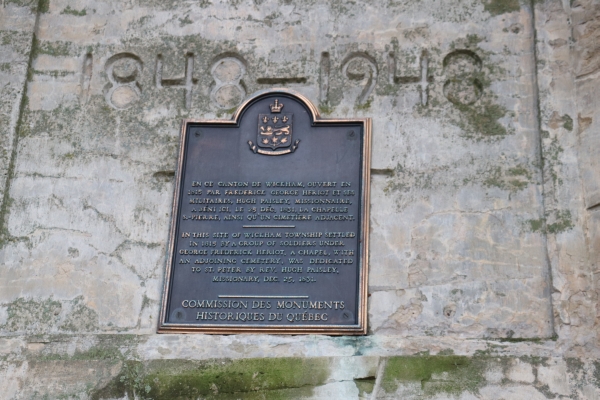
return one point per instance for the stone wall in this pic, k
(485, 193)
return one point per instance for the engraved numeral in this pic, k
(123, 71)
(324, 77)
(423, 80)
(229, 89)
(187, 82)
(462, 71)
(354, 68)
(462, 67)
(86, 77)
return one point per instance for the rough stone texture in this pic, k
(16, 36)
(105, 367)
(452, 252)
(485, 217)
(564, 47)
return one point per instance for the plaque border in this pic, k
(224, 329)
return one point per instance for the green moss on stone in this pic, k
(574, 365)
(535, 225)
(552, 152)
(519, 340)
(185, 21)
(42, 315)
(534, 360)
(597, 372)
(495, 178)
(518, 185)
(365, 106)
(555, 222)
(482, 119)
(106, 348)
(81, 318)
(567, 122)
(54, 73)
(99, 353)
(56, 49)
(223, 379)
(562, 222)
(228, 112)
(31, 315)
(239, 376)
(436, 374)
(6, 37)
(519, 170)
(513, 179)
(325, 108)
(497, 7)
(44, 6)
(72, 11)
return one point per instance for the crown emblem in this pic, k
(275, 108)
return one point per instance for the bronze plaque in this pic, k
(269, 228)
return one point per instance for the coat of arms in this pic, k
(274, 132)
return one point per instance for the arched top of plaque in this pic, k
(314, 112)
(270, 222)
(277, 120)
